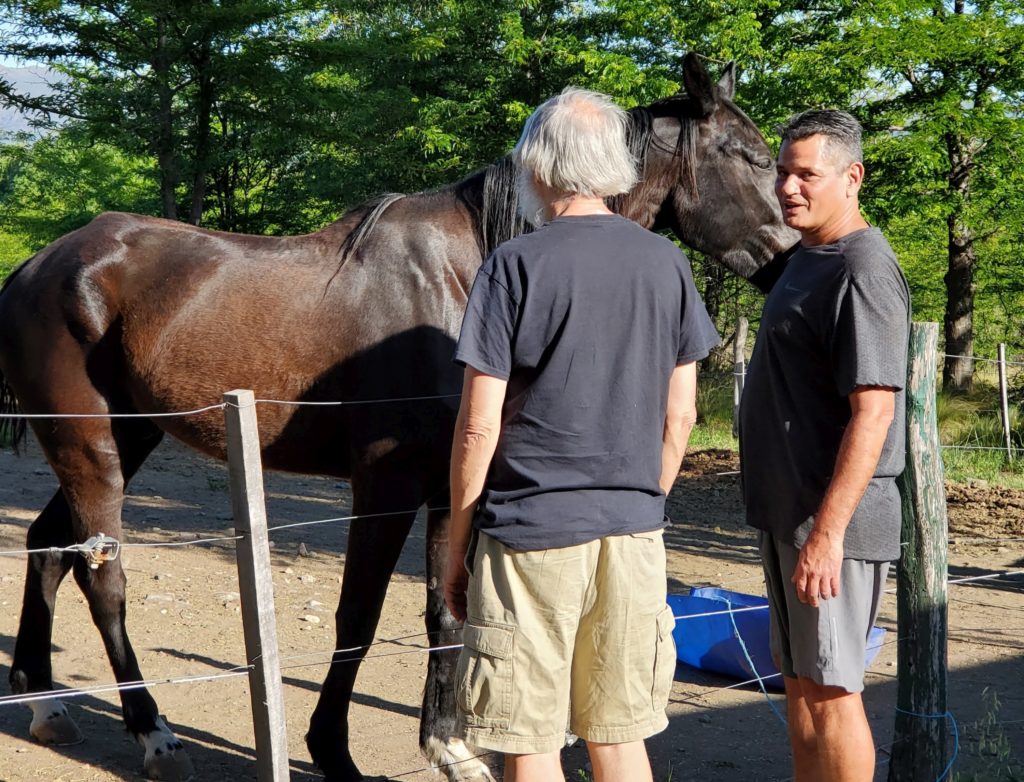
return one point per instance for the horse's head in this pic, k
(708, 174)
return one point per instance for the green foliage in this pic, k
(274, 116)
(62, 182)
(714, 413)
(13, 250)
(971, 432)
(991, 746)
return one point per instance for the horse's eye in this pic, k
(756, 159)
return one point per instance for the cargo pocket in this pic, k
(664, 660)
(484, 676)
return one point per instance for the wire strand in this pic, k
(6, 700)
(174, 414)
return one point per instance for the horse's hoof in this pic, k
(458, 761)
(51, 724)
(166, 758)
(330, 754)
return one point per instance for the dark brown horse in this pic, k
(134, 314)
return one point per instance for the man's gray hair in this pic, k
(576, 143)
(841, 130)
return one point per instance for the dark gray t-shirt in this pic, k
(838, 318)
(586, 318)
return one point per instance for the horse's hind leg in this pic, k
(31, 670)
(374, 544)
(94, 459)
(438, 735)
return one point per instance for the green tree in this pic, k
(938, 85)
(59, 183)
(144, 75)
(947, 89)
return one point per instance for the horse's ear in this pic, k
(727, 84)
(698, 84)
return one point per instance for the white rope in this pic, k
(416, 650)
(204, 541)
(723, 613)
(173, 543)
(221, 406)
(980, 358)
(176, 414)
(983, 577)
(279, 527)
(982, 447)
(339, 403)
(986, 577)
(84, 548)
(7, 700)
(395, 641)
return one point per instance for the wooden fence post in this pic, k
(739, 370)
(919, 752)
(255, 587)
(1004, 405)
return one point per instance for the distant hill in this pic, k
(32, 80)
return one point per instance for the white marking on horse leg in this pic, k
(51, 723)
(456, 760)
(166, 758)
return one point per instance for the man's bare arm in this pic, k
(476, 438)
(680, 416)
(821, 557)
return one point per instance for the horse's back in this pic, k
(162, 316)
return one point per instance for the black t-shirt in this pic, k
(586, 318)
(838, 318)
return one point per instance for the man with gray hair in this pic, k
(579, 341)
(822, 442)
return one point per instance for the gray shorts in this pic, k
(825, 644)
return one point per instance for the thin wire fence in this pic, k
(359, 653)
(328, 656)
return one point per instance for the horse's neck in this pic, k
(642, 204)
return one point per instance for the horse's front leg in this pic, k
(374, 544)
(438, 736)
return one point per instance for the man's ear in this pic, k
(854, 178)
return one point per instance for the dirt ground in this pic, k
(184, 620)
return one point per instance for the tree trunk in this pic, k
(958, 367)
(204, 109)
(714, 289)
(165, 125)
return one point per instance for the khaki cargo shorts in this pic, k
(582, 630)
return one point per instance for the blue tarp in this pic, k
(711, 643)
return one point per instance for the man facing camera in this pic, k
(822, 442)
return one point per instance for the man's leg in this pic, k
(618, 762)
(802, 738)
(846, 751)
(624, 657)
(546, 767)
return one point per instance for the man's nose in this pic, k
(788, 185)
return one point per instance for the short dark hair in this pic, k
(842, 130)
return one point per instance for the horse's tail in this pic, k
(12, 430)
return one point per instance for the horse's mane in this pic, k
(373, 211)
(494, 199)
(641, 137)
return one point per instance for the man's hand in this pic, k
(818, 567)
(456, 579)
